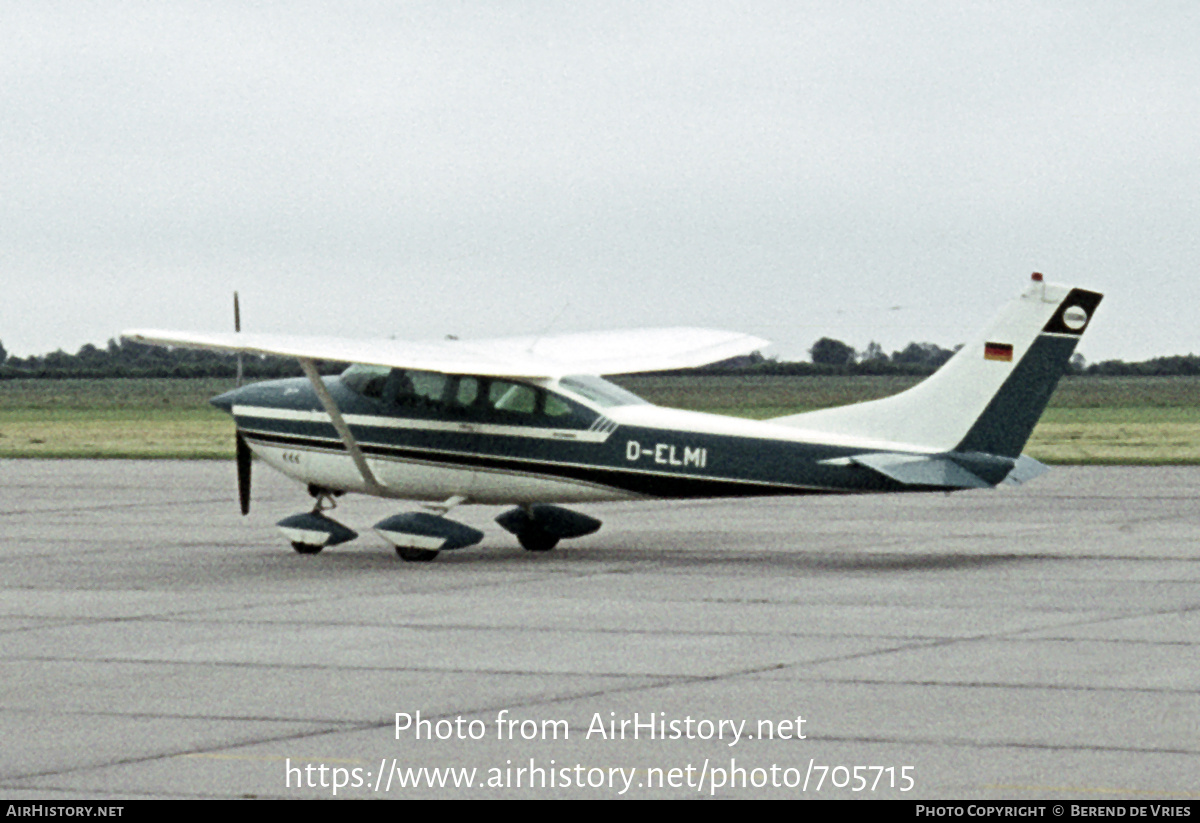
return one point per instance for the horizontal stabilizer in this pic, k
(921, 470)
(1025, 470)
(957, 470)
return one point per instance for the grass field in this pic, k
(1142, 420)
(113, 418)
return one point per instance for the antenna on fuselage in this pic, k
(549, 326)
(237, 327)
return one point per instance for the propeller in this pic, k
(244, 455)
(237, 327)
(243, 473)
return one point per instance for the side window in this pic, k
(557, 407)
(429, 386)
(523, 404)
(468, 397)
(520, 398)
(466, 392)
(561, 413)
(400, 389)
(416, 389)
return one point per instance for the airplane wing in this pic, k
(548, 356)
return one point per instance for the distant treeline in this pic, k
(828, 356)
(128, 359)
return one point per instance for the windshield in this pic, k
(366, 380)
(600, 391)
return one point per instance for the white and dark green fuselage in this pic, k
(435, 436)
(437, 448)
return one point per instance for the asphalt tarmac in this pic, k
(1026, 643)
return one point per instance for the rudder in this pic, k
(1005, 425)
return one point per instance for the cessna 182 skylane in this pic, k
(529, 421)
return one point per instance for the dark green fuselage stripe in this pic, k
(732, 466)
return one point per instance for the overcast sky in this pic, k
(867, 171)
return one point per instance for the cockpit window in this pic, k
(409, 387)
(366, 380)
(600, 391)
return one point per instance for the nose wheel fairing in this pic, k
(309, 532)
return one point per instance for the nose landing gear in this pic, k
(309, 532)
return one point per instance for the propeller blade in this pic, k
(237, 327)
(243, 473)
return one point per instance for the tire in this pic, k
(536, 540)
(413, 555)
(306, 548)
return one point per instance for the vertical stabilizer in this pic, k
(989, 396)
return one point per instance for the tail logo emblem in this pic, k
(1075, 318)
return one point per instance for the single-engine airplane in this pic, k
(530, 421)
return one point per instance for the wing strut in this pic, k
(339, 423)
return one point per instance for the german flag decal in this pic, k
(997, 351)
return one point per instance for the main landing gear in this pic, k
(539, 527)
(418, 537)
(411, 555)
